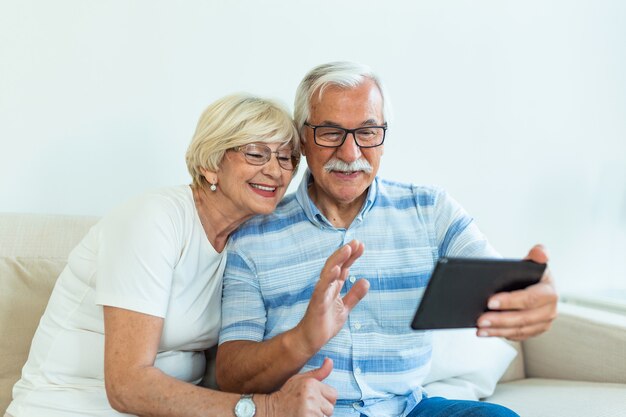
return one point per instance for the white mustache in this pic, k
(339, 165)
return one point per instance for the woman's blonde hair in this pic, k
(237, 120)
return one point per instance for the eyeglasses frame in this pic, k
(346, 133)
(294, 156)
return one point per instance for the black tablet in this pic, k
(459, 289)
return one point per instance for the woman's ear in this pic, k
(209, 176)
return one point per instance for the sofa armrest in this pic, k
(583, 344)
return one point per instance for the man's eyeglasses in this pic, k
(259, 154)
(334, 137)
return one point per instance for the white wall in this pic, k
(516, 107)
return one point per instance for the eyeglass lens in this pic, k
(258, 154)
(334, 136)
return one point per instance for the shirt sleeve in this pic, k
(456, 233)
(240, 289)
(137, 255)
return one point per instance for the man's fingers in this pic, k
(322, 372)
(537, 254)
(517, 319)
(517, 325)
(356, 293)
(357, 250)
(337, 258)
(342, 258)
(531, 297)
(521, 314)
(516, 333)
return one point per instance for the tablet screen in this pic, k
(459, 289)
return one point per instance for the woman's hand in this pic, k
(304, 395)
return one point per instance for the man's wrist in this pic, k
(296, 343)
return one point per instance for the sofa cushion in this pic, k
(41, 235)
(536, 397)
(562, 353)
(25, 286)
(464, 366)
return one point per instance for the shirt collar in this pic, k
(316, 217)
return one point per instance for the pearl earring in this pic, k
(213, 187)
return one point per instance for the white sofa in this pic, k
(578, 368)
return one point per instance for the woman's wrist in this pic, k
(263, 405)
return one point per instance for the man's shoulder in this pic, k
(419, 194)
(287, 213)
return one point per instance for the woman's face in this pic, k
(254, 189)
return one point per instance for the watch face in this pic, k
(245, 407)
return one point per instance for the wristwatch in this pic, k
(245, 406)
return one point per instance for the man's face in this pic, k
(349, 108)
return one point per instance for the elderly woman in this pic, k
(140, 298)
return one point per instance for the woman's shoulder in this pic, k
(176, 196)
(167, 199)
(159, 208)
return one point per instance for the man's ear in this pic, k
(303, 140)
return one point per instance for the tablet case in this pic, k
(459, 289)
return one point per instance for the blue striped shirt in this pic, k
(274, 262)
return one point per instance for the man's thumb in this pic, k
(323, 371)
(538, 254)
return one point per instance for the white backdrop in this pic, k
(518, 108)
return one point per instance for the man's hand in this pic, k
(526, 312)
(304, 395)
(246, 366)
(328, 311)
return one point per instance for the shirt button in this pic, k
(357, 371)
(352, 278)
(357, 325)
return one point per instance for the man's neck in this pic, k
(339, 214)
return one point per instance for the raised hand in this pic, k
(526, 312)
(328, 311)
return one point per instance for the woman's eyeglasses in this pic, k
(259, 154)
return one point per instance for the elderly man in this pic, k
(289, 302)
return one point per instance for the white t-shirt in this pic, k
(150, 255)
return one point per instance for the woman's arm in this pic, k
(135, 386)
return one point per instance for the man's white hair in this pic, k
(343, 74)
